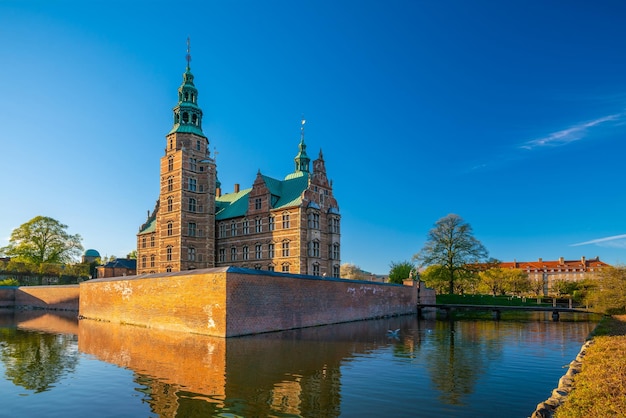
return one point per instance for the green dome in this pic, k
(92, 253)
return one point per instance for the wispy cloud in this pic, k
(616, 241)
(571, 134)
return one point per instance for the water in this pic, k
(55, 366)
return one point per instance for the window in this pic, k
(222, 255)
(258, 225)
(233, 254)
(246, 228)
(152, 259)
(233, 229)
(222, 230)
(314, 220)
(192, 185)
(316, 269)
(270, 223)
(143, 261)
(257, 203)
(285, 248)
(170, 163)
(198, 145)
(152, 241)
(334, 252)
(270, 250)
(258, 251)
(193, 164)
(192, 204)
(244, 254)
(168, 253)
(168, 269)
(143, 242)
(170, 204)
(314, 249)
(333, 225)
(285, 220)
(170, 184)
(257, 267)
(336, 270)
(191, 229)
(191, 254)
(285, 268)
(270, 267)
(170, 229)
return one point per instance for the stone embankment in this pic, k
(63, 297)
(566, 384)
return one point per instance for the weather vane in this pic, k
(303, 121)
(188, 52)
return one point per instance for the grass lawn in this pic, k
(600, 388)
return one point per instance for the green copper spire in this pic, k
(187, 114)
(302, 160)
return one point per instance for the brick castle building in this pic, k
(289, 225)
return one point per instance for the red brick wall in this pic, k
(7, 297)
(237, 302)
(271, 303)
(190, 302)
(48, 297)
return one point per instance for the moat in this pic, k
(55, 366)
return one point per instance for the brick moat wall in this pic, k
(40, 297)
(228, 301)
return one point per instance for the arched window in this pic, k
(170, 229)
(170, 164)
(168, 253)
(185, 117)
(170, 204)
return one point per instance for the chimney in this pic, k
(218, 192)
(236, 187)
(540, 260)
(583, 261)
(561, 260)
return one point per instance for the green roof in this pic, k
(187, 129)
(149, 226)
(284, 194)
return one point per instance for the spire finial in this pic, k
(303, 121)
(188, 57)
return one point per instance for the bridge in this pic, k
(497, 309)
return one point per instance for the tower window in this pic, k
(193, 164)
(257, 251)
(170, 204)
(246, 228)
(170, 164)
(170, 184)
(192, 184)
(222, 255)
(192, 229)
(194, 119)
(185, 117)
(245, 252)
(192, 204)
(257, 203)
(152, 260)
(233, 254)
(191, 254)
(270, 250)
(198, 147)
(258, 225)
(170, 229)
(168, 253)
(270, 225)
(233, 229)
(285, 248)
(143, 242)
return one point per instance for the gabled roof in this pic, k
(284, 194)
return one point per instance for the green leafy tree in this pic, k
(452, 246)
(435, 278)
(516, 281)
(562, 287)
(400, 271)
(610, 295)
(492, 281)
(43, 240)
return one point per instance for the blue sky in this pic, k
(510, 114)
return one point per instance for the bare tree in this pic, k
(452, 246)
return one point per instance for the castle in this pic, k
(290, 225)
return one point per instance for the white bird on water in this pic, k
(394, 333)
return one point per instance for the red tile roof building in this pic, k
(561, 269)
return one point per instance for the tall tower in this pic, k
(185, 219)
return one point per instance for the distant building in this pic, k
(117, 268)
(289, 225)
(90, 256)
(561, 269)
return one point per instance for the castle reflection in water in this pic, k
(289, 373)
